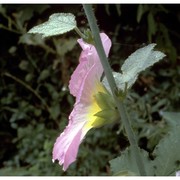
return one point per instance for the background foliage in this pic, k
(34, 97)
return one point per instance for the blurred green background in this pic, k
(34, 98)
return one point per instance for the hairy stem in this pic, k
(108, 72)
(79, 32)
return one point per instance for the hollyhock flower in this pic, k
(94, 105)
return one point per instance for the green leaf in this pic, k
(2, 9)
(140, 12)
(151, 23)
(104, 100)
(172, 118)
(134, 64)
(55, 111)
(126, 164)
(44, 75)
(139, 61)
(26, 12)
(64, 45)
(24, 65)
(151, 26)
(57, 24)
(167, 154)
(118, 8)
(29, 39)
(107, 9)
(29, 77)
(108, 116)
(125, 173)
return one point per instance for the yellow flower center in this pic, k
(94, 108)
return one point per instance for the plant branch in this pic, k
(108, 72)
(8, 29)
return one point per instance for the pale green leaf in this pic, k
(118, 79)
(126, 163)
(134, 64)
(57, 24)
(167, 154)
(172, 118)
(140, 60)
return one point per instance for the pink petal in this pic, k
(67, 144)
(105, 41)
(89, 85)
(83, 85)
(88, 58)
(72, 151)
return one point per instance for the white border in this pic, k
(89, 2)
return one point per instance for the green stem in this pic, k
(108, 72)
(79, 32)
(8, 29)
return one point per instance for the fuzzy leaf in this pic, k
(167, 153)
(126, 164)
(57, 24)
(139, 61)
(172, 118)
(118, 79)
(134, 64)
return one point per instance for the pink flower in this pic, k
(84, 85)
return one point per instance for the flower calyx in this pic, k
(108, 113)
